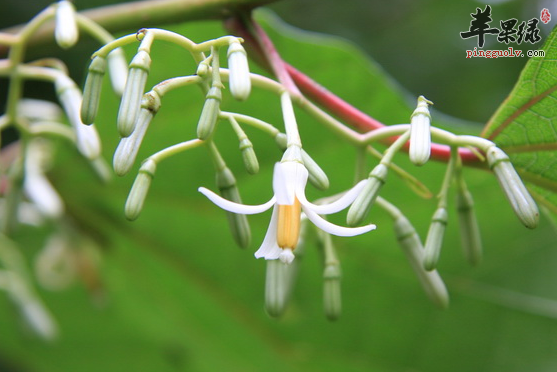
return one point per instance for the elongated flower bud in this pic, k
(88, 141)
(65, 31)
(412, 247)
(248, 156)
(135, 86)
(126, 152)
(469, 230)
(240, 83)
(522, 203)
(281, 140)
(332, 300)
(317, 177)
(39, 318)
(238, 223)
(420, 136)
(117, 70)
(434, 239)
(140, 188)
(361, 206)
(209, 114)
(279, 279)
(92, 90)
(37, 187)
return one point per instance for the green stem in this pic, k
(175, 149)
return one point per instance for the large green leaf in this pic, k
(179, 296)
(525, 125)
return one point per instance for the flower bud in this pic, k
(37, 187)
(279, 279)
(420, 136)
(434, 239)
(92, 90)
(209, 114)
(469, 230)
(522, 203)
(361, 206)
(248, 156)
(118, 70)
(332, 300)
(88, 141)
(39, 319)
(412, 247)
(135, 86)
(238, 223)
(317, 176)
(39, 110)
(281, 141)
(240, 83)
(126, 152)
(140, 188)
(65, 31)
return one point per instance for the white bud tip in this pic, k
(66, 33)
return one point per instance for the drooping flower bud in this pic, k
(522, 203)
(135, 87)
(420, 136)
(37, 187)
(117, 70)
(434, 239)
(209, 114)
(361, 206)
(412, 247)
(332, 301)
(65, 31)
(281, 140)
(126, 152)
(469, 230)
(92, 90)
(317, 177)
(248, 156)
(238, 223)
(240, 83)
(88, 141)
(139, 190)
(279, 279)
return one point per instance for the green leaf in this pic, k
(525, 125)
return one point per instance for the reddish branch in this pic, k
(256, 38)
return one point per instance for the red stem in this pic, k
(293, 79)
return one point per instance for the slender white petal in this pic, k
(336, 206)
(335, 229)
(287, 178)
(269, 248)
(227, 205)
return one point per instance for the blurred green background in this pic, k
(175, 294)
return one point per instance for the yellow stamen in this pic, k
(288, 229)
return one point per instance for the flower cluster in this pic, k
(292, 212)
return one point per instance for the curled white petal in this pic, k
(227, 205)
(336, 206)
(269, 248)
(335, 229)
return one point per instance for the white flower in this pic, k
(289, 182)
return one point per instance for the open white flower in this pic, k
(289, 182)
